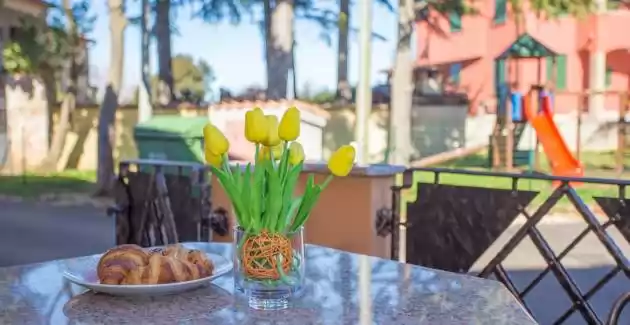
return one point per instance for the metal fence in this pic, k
(449, 227)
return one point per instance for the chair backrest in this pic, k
(162, 202)
(620, 304)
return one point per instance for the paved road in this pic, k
(32, 232)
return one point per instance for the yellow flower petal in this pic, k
(341, 161)
(213, 160)
(215, 141)
(272, 139)
(296, 153)
(289, 128)
(255, 126)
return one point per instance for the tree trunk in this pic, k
(279, 45)
(106, 131)
(69, 99)
(344, 92)
(164, 48)
(402, 87)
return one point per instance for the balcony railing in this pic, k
(449, 227)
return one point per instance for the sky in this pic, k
(236, 54)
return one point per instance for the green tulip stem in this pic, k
(257, 152)
(226, 163)
(327, 181)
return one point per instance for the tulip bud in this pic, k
(215, 142)
(265, 152)
(213, 160)
(341, 161)
(272, 139)
(255, 126)
(296, 153)
(289, 128)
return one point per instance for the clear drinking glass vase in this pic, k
(269, 267)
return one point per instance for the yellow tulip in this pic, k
(214, 160)
(296, 153)
(255, 126)
(215, 140)
(272, 139)
(276, 151)
(341, 161)
(289, 128)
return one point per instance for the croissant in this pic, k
(130, 264)
(120, 264)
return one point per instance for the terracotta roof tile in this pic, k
(247, 104)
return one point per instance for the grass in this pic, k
(599, 164)
(35, 185)
(596, 164)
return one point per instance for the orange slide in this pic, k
(563, 163)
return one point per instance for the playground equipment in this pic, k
(509, 129)
(562, 161)
(536, 109)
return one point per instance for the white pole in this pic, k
(364, 89)
(597, 78)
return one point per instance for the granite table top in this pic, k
(341, 289)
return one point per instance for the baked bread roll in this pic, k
(120, 264)
(130, 264)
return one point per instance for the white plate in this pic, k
(82, 271)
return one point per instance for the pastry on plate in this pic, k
(131, 264)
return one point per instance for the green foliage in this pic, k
(555, 8)
(191, 79)
(39, 45)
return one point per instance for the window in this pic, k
(609, 73)
(500, 11)
(455, 21)
(454, 72)
(500, 73)
(560, 71)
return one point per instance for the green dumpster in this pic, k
(173, 138)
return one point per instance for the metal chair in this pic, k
(620, 304)
(164, 202)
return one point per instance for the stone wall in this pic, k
(27, 124)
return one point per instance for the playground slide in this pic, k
(563, 163)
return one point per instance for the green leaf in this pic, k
(288, 189)
(290, 215)
(232, 192)
(274, 199)
(246, 190)
(308, 203)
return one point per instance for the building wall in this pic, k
(481, 40)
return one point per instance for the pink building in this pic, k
(485, 52)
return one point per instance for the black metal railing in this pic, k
(163, 202)
(450, 226)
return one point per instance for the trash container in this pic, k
(171, 137)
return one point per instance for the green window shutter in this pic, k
(455, 21)
(500, 11)
(561, 71)
(499, 73)
(609, 73)
(549, 68)
(561, 74)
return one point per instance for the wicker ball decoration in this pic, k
(260, 256)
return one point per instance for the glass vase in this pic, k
(268, 267)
